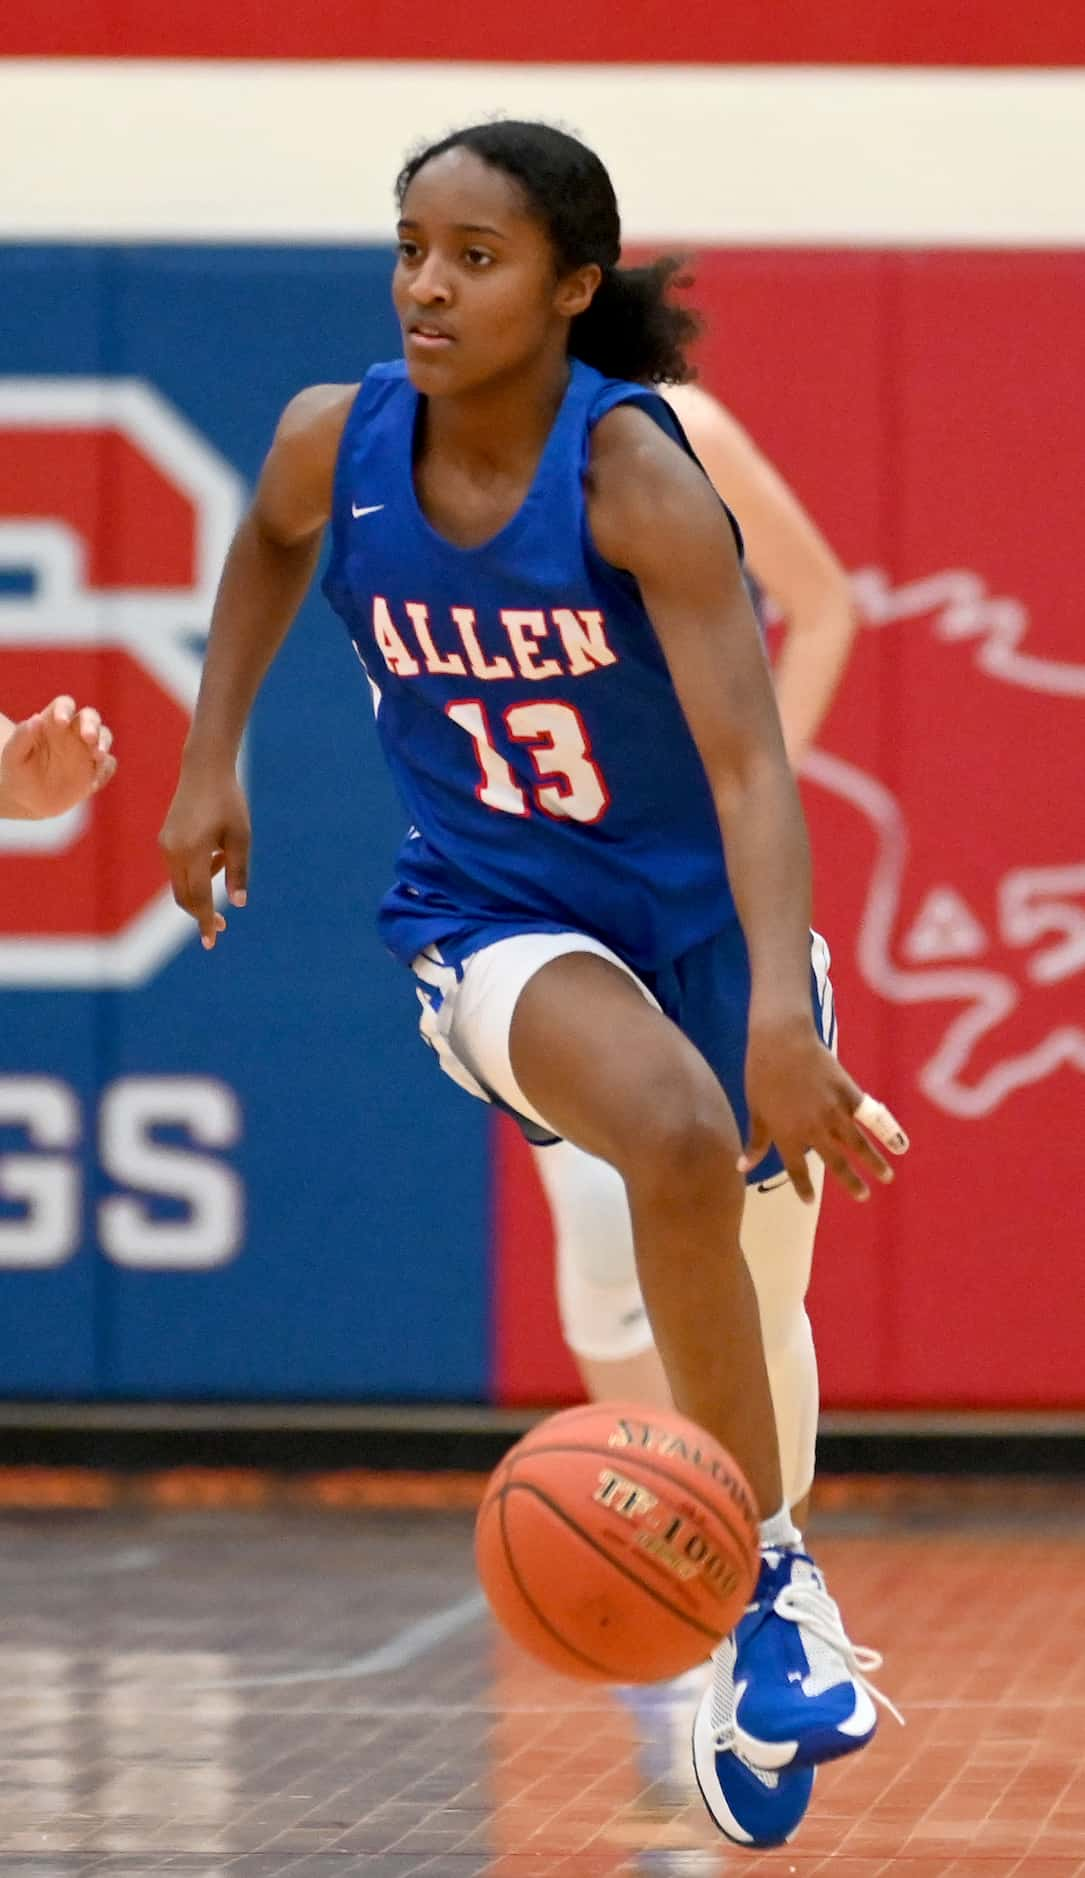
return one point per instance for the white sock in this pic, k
(779, 1532)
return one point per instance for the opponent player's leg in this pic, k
(778, 1233)
(603, 1317)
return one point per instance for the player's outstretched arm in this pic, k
(265, 578)
(53, 760)
(790, 559)
(653, 513)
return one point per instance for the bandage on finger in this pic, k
(882, 1125)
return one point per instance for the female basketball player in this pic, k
(52, 760)
(547, 597)
(602, 1313)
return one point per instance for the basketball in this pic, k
(618, 1544)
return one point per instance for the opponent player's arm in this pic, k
(789, 557)
(653, 513)
(266, 575)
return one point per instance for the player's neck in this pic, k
(501, 423)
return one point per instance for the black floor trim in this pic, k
(298, 1439)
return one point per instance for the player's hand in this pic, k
(56, 759)
(801, 1097)
(207, 828)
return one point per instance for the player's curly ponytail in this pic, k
(632, 329)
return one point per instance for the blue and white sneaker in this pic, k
(801, 1688)
(750, 1805)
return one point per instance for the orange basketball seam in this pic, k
(601, 1668)
(528, 1486)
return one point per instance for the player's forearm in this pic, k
(810, 664)
(768, 864)
(262, 587)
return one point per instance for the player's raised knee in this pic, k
(687, 1138)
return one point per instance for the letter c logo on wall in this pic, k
(115, 516)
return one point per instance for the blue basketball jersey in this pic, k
(523, 703)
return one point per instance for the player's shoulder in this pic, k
(641, 479)
(294, 495)
(316, 411)
(629, 445)
(317, 416)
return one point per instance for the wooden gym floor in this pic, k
(306, 1682)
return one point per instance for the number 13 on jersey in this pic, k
(570, 786)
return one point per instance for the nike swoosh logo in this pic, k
(371, 510)
(773, 1186)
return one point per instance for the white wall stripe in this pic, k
(138, 150)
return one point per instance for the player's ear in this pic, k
(576, 291)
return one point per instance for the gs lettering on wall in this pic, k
(173, 1205)
(115, 516)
